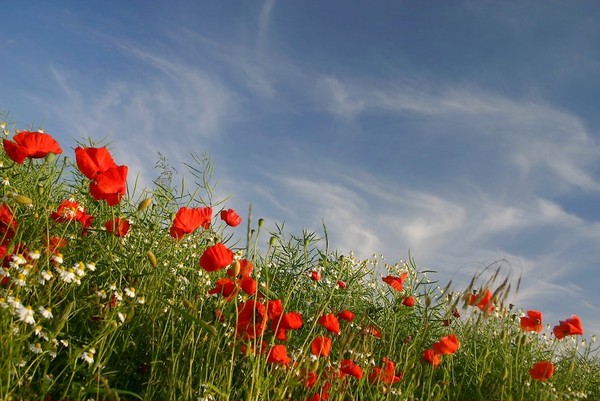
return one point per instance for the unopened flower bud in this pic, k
(23, 200)
(145, 204)
(50, 157)
(152, 259)
(261, 222)
(236, 267)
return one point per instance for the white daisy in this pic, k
(46, 312)
(26, 314)
(36, 348)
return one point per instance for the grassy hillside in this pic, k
(115, 292)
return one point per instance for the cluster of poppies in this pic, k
(533, 322)
(258, 316)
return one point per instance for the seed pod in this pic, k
(145, 204)
(152, 259)
(23, 200)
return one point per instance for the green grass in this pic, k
(143, 326)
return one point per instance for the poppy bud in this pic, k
(152, 259)
(40, 189)
(427, 300)
(23, 200)
(50, 157)
(261, 222)
(145, 204)
(236, 267)
(272, 241)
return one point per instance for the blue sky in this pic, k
(465, 132)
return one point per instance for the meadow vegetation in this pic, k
(110, 291)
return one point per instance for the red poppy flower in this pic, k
(372, 330)
(386, 374)
(286, 321)
(252, 319)
(110, 185)
(8, 223)
(320, 346)
(187, 220)
(568, 327)
(483, 302)
(310, 379)
(315, 275)
(341, 284)
(216, 257)
(447, 345)
(542, 371)
(330, 322)
(396, 282)
(274, 308)
(35, 145)
(226, 287)
(278, 354)
(248, 285)
(55, 244)
(409, 301)
(291, 321)
(346, 315)
(230, 217)
(348, 367)
(431, 358)
(118, 226)
(532, 322)
(93, 161)
(70, 210)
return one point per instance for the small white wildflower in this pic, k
(79, 269)
(122, 317)
(26, 269)
(26, 314)
(40, 333)
(101, 294)
(68, 275)
(57, 258)
(21, 280)
(45, 275)
(113, 287)
(4, 272)
(130, 292)
(18, 259)
(34, 255)
(117, 296)
(46, 312)
(91, 266)
(35, 348)
(65, 343)
(88, 356)
(5, 181)
(141, 300)
(15, 302)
